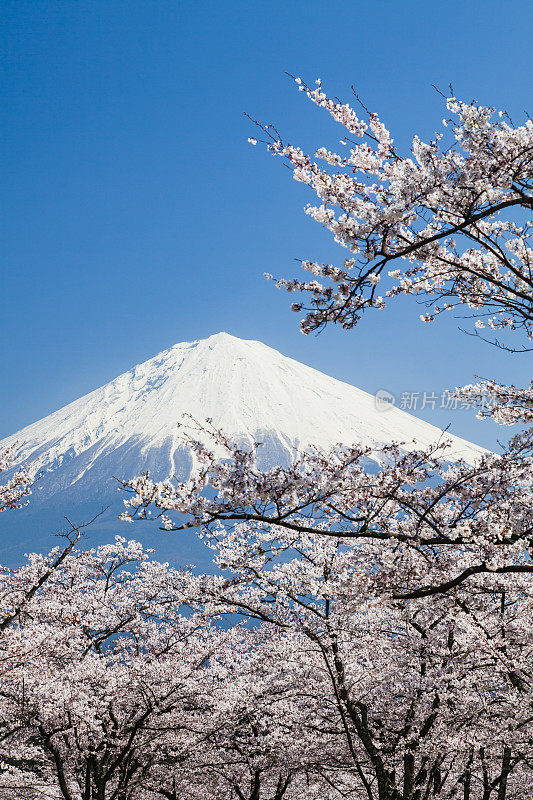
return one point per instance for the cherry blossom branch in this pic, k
(384, 207)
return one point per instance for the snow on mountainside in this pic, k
(133, 424)
(248, 389)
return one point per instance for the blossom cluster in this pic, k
(18, 487)
(432, 221)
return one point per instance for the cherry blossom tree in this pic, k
(260, 745)
(432, 220)
(102, 668)
(117, 686)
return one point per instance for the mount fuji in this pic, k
(135, 423)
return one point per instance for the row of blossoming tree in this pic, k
(367, 635)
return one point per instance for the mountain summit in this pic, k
(135, 423)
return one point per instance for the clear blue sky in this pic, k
(135, 214)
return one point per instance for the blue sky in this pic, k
(135, 214)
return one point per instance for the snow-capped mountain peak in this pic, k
(248, 389)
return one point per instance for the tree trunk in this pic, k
(506, 768)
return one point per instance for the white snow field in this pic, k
(251, 391)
